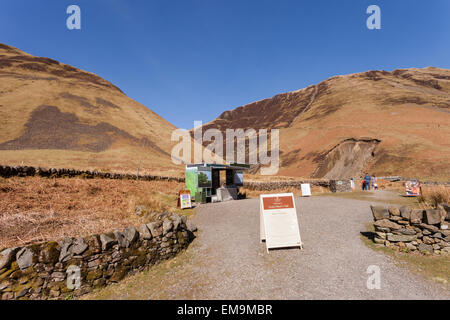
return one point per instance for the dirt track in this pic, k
(227, 261)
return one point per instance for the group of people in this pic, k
(369, 181)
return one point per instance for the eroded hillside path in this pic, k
(227, 260)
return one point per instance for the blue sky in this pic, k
(193, 59)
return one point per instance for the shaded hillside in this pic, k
(386, 122)
(52, 114)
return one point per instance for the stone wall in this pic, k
(333, 185)
(25, 171)
(426, 231)
(276, 185)
(73, 267)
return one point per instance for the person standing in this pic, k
(367, 179)
(374, 183)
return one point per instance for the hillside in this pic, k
(389, 123)
(52, 114)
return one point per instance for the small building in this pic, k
(204, 182)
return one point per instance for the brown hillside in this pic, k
(390, 123)
(52, 114)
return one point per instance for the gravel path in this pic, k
(227, 260)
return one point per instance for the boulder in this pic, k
(24, 258)
(79, 246)
(405, 212)
(193, 228)
(131, 234)
(385, 223)
(432, 216)
(379, 212)
(401, 238)
(7, 257)
(410, 246)
(65, 251)
(107, 240)
(176, 221)
(155, 228)
(167, 226)
(144, 232)
(416, 216)
(123, 242)
(394, 211)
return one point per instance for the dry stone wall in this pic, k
(427, 231)
(76, 266)
(26, 171)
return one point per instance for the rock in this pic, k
(167, 226)
(403, 222)
(107, 241)
(405, 212)
(378, 240)
(49, 253)
(401, 238)
(436, 246)
(379, 212)
(7, 256)
(380, 235)
(144, 232)
(444, 226)
(410, 246)
(445, 232)
(416, 216)
(405, 231)
(394, 211)
(437, 235)
(176, 221)
(446, 249)
(79, 246)
(24, 258)
(381, 229)
(192, 227)
(65, 252)
(432, 229)
(432, 216)
(155, 228)
(121, 239)
(395, 218)
(424, 248)
(183, 220)
(94, 244)
(426, 232)
(384, 223)
(446, 207)
(131, 234)
(427, 240)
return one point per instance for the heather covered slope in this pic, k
(52, 114)
(390, 123)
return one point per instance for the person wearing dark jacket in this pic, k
(366, 183)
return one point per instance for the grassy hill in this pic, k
(389, 123)
(52, 114)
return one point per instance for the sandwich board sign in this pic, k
(306, 190)
(278, 221)
(185, 199)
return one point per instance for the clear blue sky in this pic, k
(193, 59)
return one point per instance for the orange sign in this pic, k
(278, 202)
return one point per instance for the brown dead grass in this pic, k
(434, 195)
(39, 209)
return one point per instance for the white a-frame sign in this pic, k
(278, 221)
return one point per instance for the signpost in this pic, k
(278, 221)
(306, 190)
